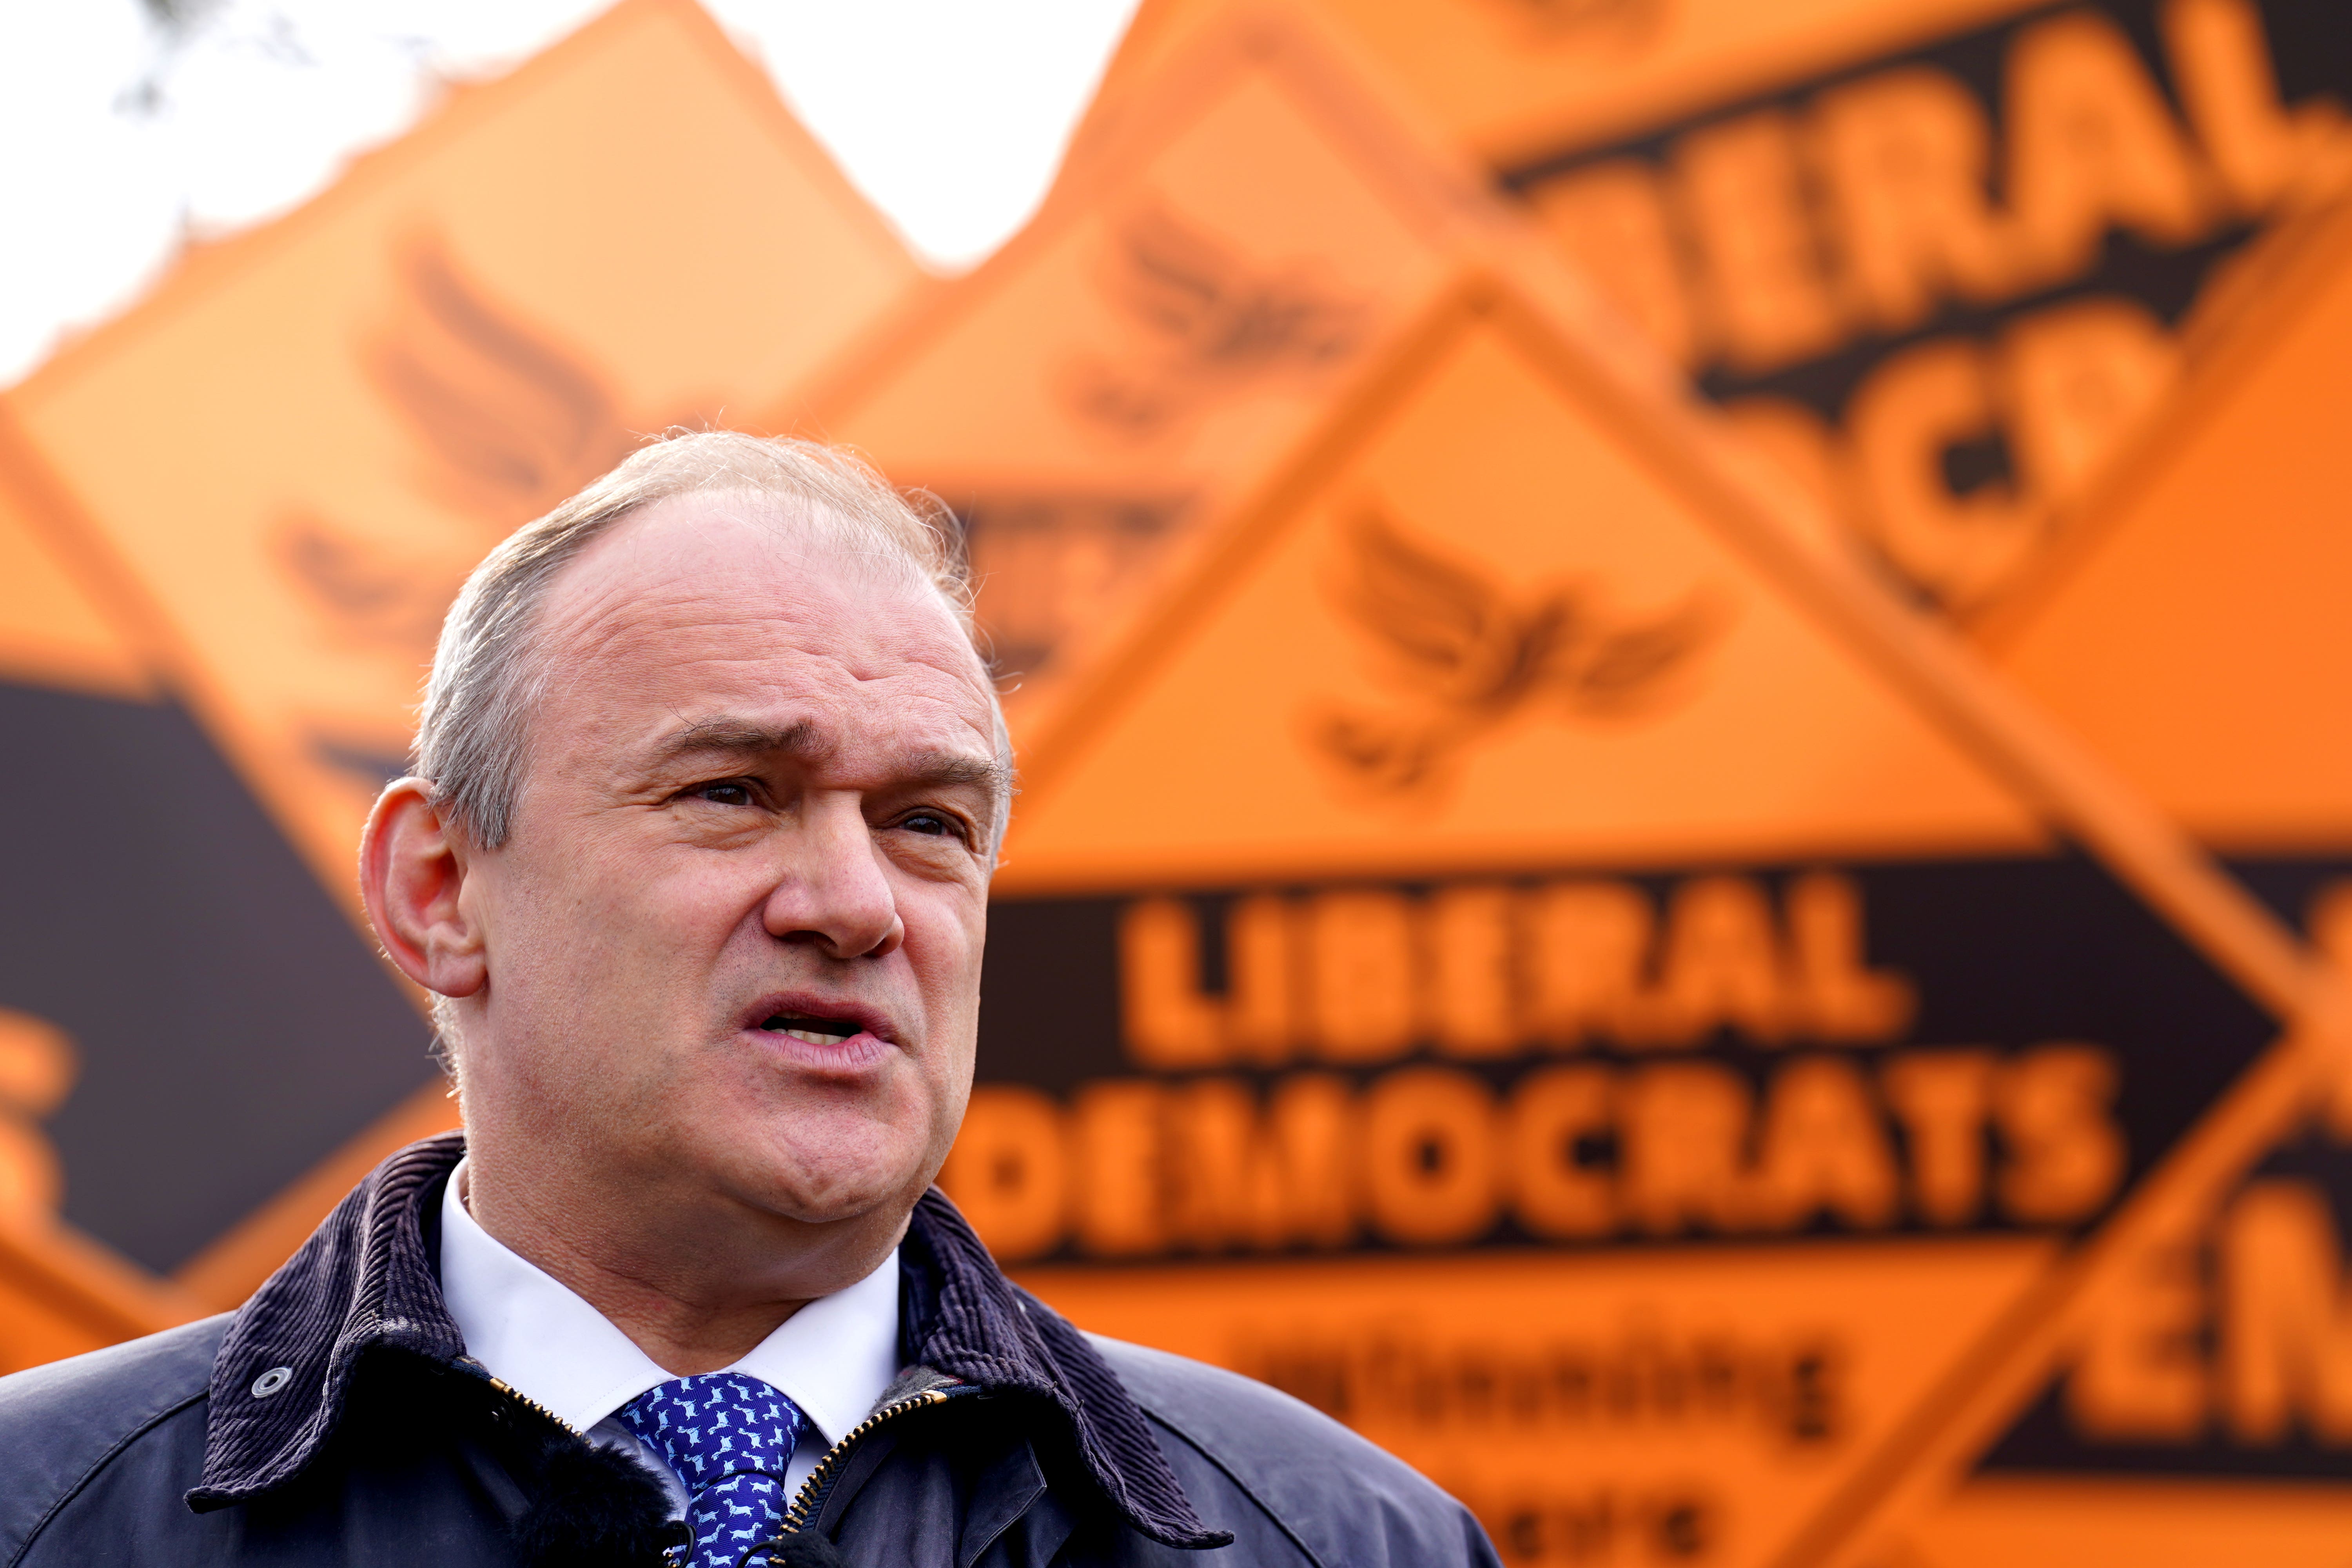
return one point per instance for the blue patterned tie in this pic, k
(728, 1437)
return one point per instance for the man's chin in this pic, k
(799, 1182)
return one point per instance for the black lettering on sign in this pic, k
(1583, 1060)
(1943, 285)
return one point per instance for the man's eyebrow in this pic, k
(739, 738)
(731, 737)
(955, 770)
(951, 768)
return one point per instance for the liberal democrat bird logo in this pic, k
(513, 420)
(506, 421)
(1466, 653)
(1206, 319)
(502, 420)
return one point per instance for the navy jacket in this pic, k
(336, 1418)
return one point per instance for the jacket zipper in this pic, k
(528, 1403)
(819, 1484)
(671, 1556)
(810, 1501)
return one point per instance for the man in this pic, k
(708, 785)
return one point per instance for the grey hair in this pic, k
(473, 729)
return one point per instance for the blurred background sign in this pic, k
(1177, 316)
(178, 991)
(2193, 628)
(1940, 257)
(2190, 627)
(1525, 926)
(338, 412)
(1662, 1048)
(275, 471)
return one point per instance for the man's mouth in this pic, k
(811, 1031)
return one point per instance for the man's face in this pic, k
(733, 940)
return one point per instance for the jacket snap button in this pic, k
(270, 1382)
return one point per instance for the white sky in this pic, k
(121, 137)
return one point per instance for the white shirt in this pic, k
(833, 1358)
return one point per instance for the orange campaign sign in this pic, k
(60, 654)
(2193, 630)
(1940, 256)
(244, 1046)
(1509, 78)
(2189, 631)
(1180, 312)
(337, 414)
(53, 631)
(333, 417)
(60, 1296)
(1522, 950)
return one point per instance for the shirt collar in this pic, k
(833, 1358)
(367, 1289)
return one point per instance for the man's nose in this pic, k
(835, 895)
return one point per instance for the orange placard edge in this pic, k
(1947, 679)
(1918, 1463)
(232, 1266)
(82, 547)
(88, 1282)
(1161, 27)
(84, 557)
(2265, 300)
(1921, 1460)
(2139, 844)
(77, 538)
(1311, 60)
(193, 276)
(225, 1273)
(1391, 140)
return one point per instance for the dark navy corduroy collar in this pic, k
(367, 1281)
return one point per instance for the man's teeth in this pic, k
(811, 1031)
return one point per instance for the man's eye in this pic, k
(931, 823)
(723, 794)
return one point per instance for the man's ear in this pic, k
(413, 867)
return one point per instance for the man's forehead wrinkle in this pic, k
(604, 614)
(804, 538)
(655, 629)
(725, 565)
(958, 660)
(752, 621)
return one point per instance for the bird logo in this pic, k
(514, 421)
(504, 422)
(1468, 655)
(507, 421)
(1208, 320)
